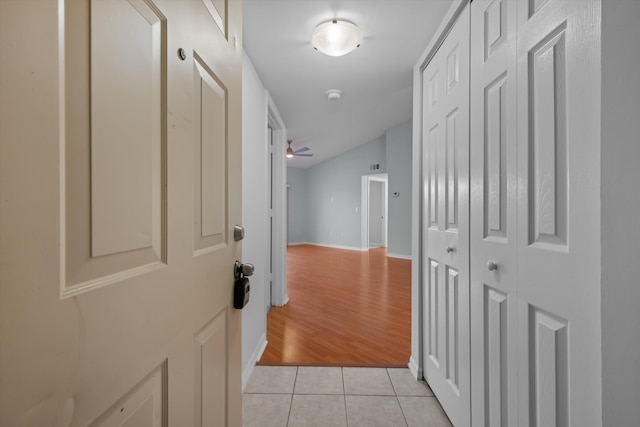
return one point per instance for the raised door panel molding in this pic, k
(452, 307)
(453, 69)
(218, 11)
(535, 6)
(433, 88)
(432, 294)
(144, 405)
(496, 398)
(433, 184)
(548, 166)
(548, 369)
(453, 139)
(495, 26)
(210, 159)
(126, 127)
(113, 194)
(495, 159)
(211, 377)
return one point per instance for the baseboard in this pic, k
(349, 248)
(399, 256)
(255, 357)
(415, 368)
(298, 243)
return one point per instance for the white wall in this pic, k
(298, 224)
(335, 192)
(399, 140)
(620, 212)
(254, 212)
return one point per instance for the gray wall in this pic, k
(620, 212)
(334, 194)
(298, 206)
(324, 204)
(254, 209)
(399, 168)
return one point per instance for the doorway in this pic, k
(374, 211)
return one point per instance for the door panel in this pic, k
(122, 201)
(112, 197)
(209, 107)
(493, 219)
(126, 126)
(558, 249)
(446, 238)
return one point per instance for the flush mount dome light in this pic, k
(336, 37)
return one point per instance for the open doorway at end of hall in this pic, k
(374, 211)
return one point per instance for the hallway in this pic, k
(346, 308)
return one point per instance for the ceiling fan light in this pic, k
(289, 152)
(336, 37)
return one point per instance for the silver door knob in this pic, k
(450, 249)
(245, 270)
(492, 266)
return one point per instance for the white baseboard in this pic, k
(415, 368)
(349, 248)
(255, 357)
(298, 243)
(389, 255)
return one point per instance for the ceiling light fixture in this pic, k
(336, 37)
(334, 94)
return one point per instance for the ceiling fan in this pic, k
(291, 153)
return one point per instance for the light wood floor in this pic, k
(346, 308)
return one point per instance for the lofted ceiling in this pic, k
(376, 79)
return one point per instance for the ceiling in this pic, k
(375, 80)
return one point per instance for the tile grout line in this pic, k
(344, 397)
(404, 417)
(295, 380)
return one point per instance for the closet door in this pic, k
(493, 213)
(445, 166)
(558, 53)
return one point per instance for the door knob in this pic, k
(450, 249)
(492, 266)
(243, 270)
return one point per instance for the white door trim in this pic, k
(279, 135)
(417, 309)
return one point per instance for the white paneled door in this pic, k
(445, 166)
(558, 149)
(535, 331)
(120, 188)
(494, 233)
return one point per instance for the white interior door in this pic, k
(376, 213)
(121, 149)
(493, 213)
(445, 166)
(558, 53)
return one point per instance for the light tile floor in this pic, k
(291, 396)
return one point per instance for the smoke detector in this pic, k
(333, 94)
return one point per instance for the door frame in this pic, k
(364, 208)
(279, 295)
(417, 268)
